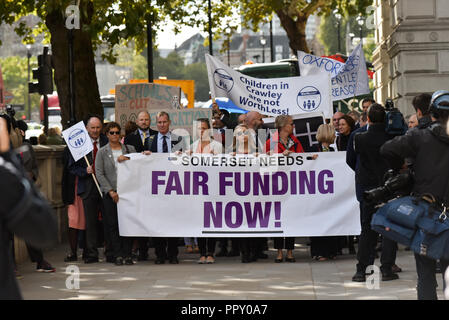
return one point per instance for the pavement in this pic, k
(227, 279)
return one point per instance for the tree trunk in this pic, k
(296, 30)
(87, 96)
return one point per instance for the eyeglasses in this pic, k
(114, 132)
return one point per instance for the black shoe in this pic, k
(159, 261)
(253, 258)
(359, 277)
(388, 276)
(118, 261)
(278, 260)
(290, 259)
(222, 253)
(110, 259)
(233, 253)
(396, 269)
(129, 261)
(91, 260)
(246, 259)
(174, 260)
(70, 258)
(262, 256)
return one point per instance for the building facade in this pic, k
(412, 54)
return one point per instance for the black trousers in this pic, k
(35, 254)
(248, 247)
(324, 246)
(427, 282)
(165, 247)
(207, 246)
(284, 243)
(223, 244)
(119, 246)
(92, 204)
(368, 241)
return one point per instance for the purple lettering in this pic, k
(304, 180)
(173, 183)
(216, 216)
(263, 185)
(246, 181)
(282, 188)
(238, 214)
(200, 180)
(258, 214)
(325, 186)
(187, 182)
(156, 182)
(224, 182)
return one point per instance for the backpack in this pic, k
(394, 123)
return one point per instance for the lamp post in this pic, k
(29, 101)
(338, 17)
(271, 41)
(209, 13)
(263, 42)
(361, 21)
(228, 37)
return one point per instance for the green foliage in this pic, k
(198, 72)
(15, 77)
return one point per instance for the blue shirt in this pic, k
(160, 140)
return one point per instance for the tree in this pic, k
(198, 72)
(294, 14)
(101, 22)
(15, 77)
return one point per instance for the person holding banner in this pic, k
(283, 141)
(140, 140)
(324, 248)
(166, 142)
(88, 190)
(205, 144)
(106, 169)
(242, 144)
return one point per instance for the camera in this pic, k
(10, 111)
(396, 185)
(389, 104)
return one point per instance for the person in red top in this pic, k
(283, 141)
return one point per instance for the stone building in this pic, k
(412, 54)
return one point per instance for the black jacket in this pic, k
(429, 149)
(134, 139)
(372, 166)
(86, 184)
(25, 213)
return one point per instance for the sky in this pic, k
(167, 38)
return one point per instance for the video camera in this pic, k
(396, 185)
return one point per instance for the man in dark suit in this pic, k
(166, 142)
(370, 174)
(87, 189)
(140, 140)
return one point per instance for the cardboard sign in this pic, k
(130, 99)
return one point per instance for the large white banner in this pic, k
(348, 79)
(164, 195)
(272, 97)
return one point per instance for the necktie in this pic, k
(164, 145)
(95, 155)
(144, 138)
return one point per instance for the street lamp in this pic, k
(228, 35)
(28, 46)
(263, 42)
(338, 17)
(361, 22)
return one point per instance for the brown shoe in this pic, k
(189, 249)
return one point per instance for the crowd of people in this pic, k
(370, 152)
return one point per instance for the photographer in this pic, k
(369, 174)
(429, 149)
(23, 212)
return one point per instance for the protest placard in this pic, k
(78, 141)
(164, 195)
(273, 97)
(348, 79)
(130, 99)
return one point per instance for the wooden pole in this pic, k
(95, 178)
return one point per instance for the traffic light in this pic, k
(43, 74)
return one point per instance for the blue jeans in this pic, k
(427, 282)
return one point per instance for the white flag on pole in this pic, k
(78, 141)
(348, 79)
(274, 96)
